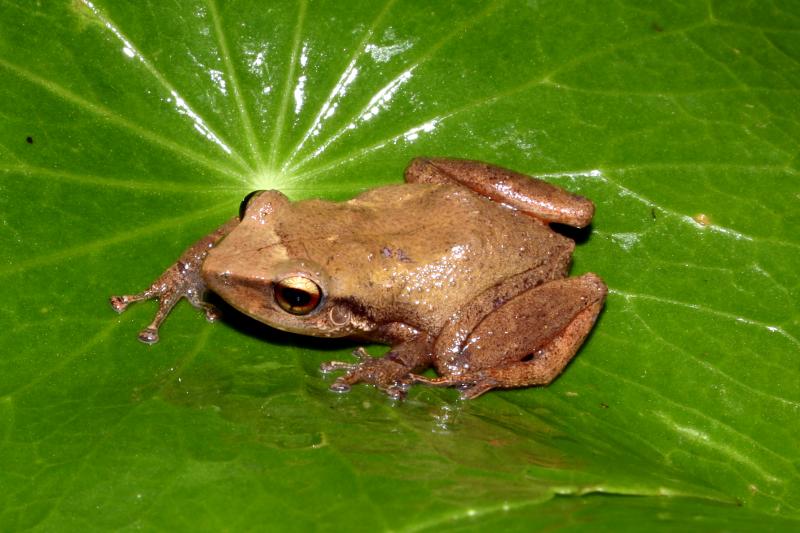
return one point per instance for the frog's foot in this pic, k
(385, 373)
(181, 280)
(471, 386)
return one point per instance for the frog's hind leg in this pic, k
(533, 337)
(533, 196)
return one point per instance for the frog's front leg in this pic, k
(181, 280)
(528, 340)
(539, 199)
(392, 373)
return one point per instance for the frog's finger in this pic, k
(182, 279)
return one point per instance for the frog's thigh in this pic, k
(530, 195)
(531, 338)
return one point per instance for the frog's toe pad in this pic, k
(398, 390)
(340, 387)
(212, 313)
(149, 335)
(119, 303)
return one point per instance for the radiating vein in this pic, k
(109, 432)
(187, 359)
(181, 102)
(99, 244)
(603, 177)
(357, 52)
(34, 172)
(703, 416)
(277, 130)
(781, 51)
(714, 312)
(358, 153)
(51, 369)
(252, 139)
(657, 92)
(457, 30)
(702, 438)
(685, 218)
(711, 368)
(750, 390)
(108, 115)
(389, 87)
(622, 45)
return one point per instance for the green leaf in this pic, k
(128, 130)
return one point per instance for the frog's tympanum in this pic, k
(456, 269)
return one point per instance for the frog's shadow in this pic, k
(579, 235)
(263, 332)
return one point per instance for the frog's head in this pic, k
(253, 269)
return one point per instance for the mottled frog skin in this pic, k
(456, 269)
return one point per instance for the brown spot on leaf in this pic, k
(702, 219)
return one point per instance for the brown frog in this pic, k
(455, 269)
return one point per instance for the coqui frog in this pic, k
(456, 269)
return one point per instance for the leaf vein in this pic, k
(244, 115)
(199, 121)
(357, 52)
(280, 120)
(108, 115)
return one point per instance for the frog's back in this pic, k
(434, 218)
(422, 250)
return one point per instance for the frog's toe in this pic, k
(470, 386)
(343, 383)
(212, 314)
(332, 366)
(340, 386)
(398, 390)
(362, 355)
(119, 303)
(473, 390)
(149, 335)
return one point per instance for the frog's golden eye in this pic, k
(297, 295)
(245, 202)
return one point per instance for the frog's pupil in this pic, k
(295, 297)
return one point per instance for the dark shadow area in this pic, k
(579, 235)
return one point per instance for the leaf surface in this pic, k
(128, 130)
